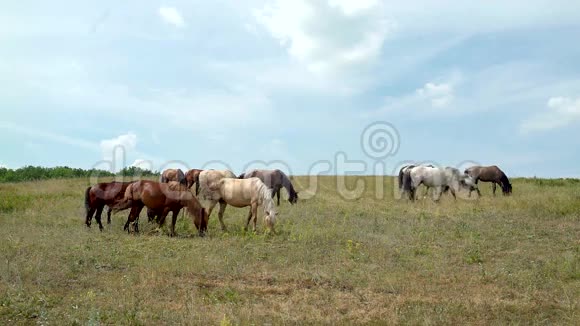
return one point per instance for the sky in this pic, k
(333, 86)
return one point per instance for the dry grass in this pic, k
(497, 260)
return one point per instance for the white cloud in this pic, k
(126, 143)
(440, 95)
(172, 16)
(327, 36)
(432, 97)
(561, 112)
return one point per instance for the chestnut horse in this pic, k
(101, 194)
(191, 177)
(172, 175)
(490, 174)
(275, 180)
(152, 214)
(161, 200)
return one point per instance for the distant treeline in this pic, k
(31, 173)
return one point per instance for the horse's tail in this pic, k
(88, 200)
(408, 184)
(505, 184)
(401, 177)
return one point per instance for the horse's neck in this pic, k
(287, 184)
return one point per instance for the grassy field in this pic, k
(503, 260)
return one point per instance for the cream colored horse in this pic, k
(238, 193)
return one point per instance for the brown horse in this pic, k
(275, 180)
(161, 200)
(173, 175)
(101, 194)
(191, 177)
(490, 174)
(152, 214)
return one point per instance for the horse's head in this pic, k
(241, 176)
(270, 219)
(467, 182)
(293, 199)
(506, 188)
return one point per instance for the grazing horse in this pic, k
(490, 174)
(191, 177)
(173, 175)
(161, 199)
(241, 193)
(274, 179)
(101, 194)
(438, 178)
(408, 168)
(154, 215)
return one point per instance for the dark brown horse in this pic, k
(173, 175)
(191, 177)
(160, 199)
(490, 174)
(101, 194)
(274, 179)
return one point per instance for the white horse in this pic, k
(216, 188)
(406, 168)
(438, 178)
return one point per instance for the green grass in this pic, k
(503, 260)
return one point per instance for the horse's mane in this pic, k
(265, 195)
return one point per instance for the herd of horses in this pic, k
(173, 192)
(443, 179)
(252, 189)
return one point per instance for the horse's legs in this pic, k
(453, 192)
(255, 214)
(437, 194)
(133, 216)
(278, 196)
(223, 206)
(161, 216)
(98, 217)
(426, 192)
(173, 220)
(493, 187)
(249, 219)
(109, 211)
(89, 216)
